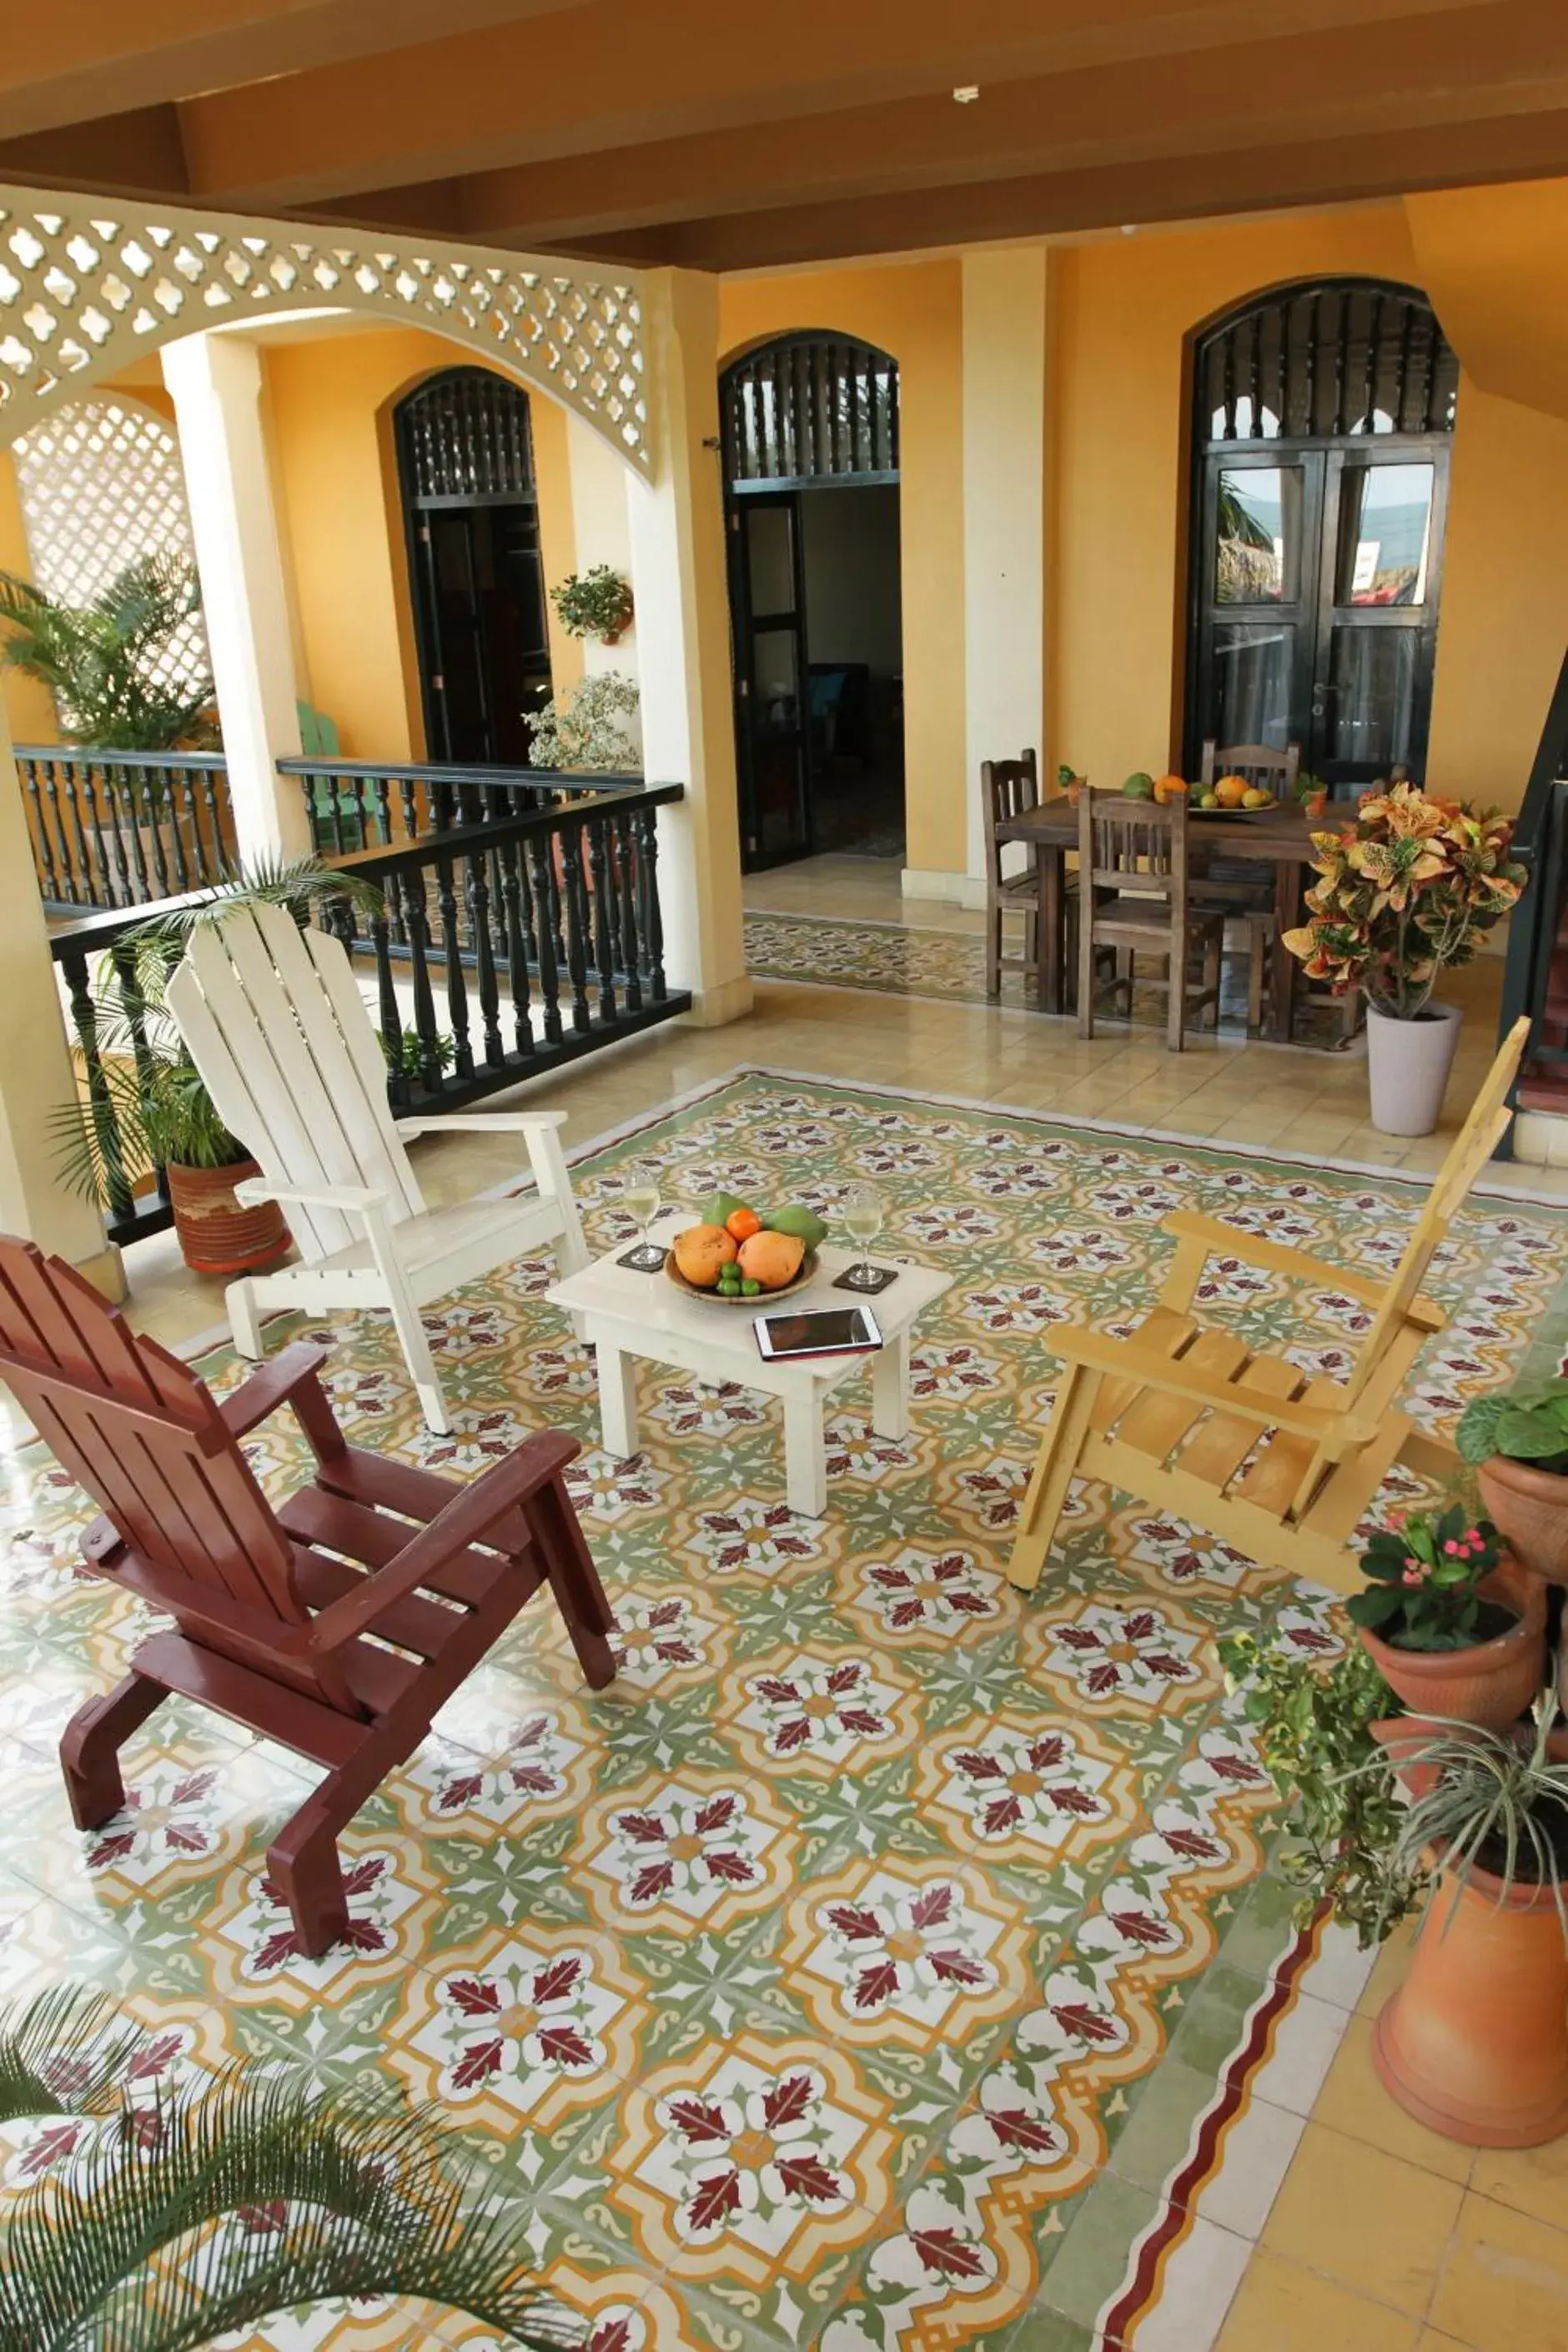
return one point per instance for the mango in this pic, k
(720, 1207)
(1139, 785)
(701, 1251)
(772, 1259)
(804, 1222)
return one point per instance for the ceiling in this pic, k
(719, 137)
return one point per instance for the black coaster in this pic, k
(646, 1258)
(877, 1279)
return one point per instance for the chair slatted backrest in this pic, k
(276, 1024)
(1484, 1126)
(1008, 788)
(1260, 763)
(140, 1433)
(1134, 846)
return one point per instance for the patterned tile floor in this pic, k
(886, 1959)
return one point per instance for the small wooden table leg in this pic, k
(1048, 944)
(891, 1390)
(806, 1467)
(618, 1376)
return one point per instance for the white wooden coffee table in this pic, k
(625, 1315)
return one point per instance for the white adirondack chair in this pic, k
(275, 1022)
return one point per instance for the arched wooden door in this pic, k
(465, 457)
(1322, 418)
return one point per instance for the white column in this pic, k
(683, 630)
(1003, 515)
(37, 1075)
(216, 381)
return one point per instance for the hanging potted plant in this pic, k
(144, 1108)
(1475, 2042)
(597, 603)
(1518, 1442)
(1453, 1625)
(1403, 892)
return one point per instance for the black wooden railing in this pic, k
(355, 805)
(116, 829)
(501, 950)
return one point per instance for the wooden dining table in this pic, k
(1279, 836)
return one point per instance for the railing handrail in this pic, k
(417, 771)
(461, 841)
(94, 756)
(111, 923)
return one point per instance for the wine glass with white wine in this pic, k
(863, 1216)
(642, 1198)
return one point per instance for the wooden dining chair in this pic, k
(1008, 788)
(1134, 898)
(1281, 1463)
(335, 1625)
(1244, 892)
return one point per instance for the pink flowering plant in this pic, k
(1424, 1577)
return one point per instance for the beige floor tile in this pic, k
(1365, 2220)
(1354, 2101)
(1392, 1967)
(1280, 2308)
(1531, 2180)
(1504, 2284)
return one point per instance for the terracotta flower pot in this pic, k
(1475, 2043)
(217, 1235)
(1529, 1507)
(1492, 1683)
(1408, 1063)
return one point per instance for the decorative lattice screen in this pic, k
(87, 282)
(100, 485)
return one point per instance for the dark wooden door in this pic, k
(771, 675)
(483, 642)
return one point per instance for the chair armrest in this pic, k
(1125, 1359)
(1296, 1265)
(351, 1199)
(495, 1122)
(466, 1520)
(271, 1385)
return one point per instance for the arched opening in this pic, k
(810, 437)
(1322, 416)
(470, 506)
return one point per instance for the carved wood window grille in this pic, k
(101, 486)
(810, 407)
(1318, 362)
(467, 440)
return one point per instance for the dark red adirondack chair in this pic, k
(275, 1608)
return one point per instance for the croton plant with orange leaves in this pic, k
(1404, 890)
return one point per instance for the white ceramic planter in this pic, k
(1408, 1063)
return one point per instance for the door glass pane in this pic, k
(1258, 535)
(1371, 677)
(1385, 535)
(775, 684)
(1250, 683)
(770, 549)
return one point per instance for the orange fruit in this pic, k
(741, 1223)
(1231, 791)
(1169, 788)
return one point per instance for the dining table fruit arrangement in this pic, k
(1234, 792)
(741, 1252)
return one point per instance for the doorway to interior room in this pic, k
(465, 457)
(1323, 417)
(811, 452)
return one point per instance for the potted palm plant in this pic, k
(144, 1108)
(1405, 890)
(1454, 1626)
(1517, 1441)
(1475, 2042)
(167, 2212)
(106, 662)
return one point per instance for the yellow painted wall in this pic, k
(336, 481)
(914, 312)
(29, 707)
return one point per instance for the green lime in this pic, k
(750, 1288)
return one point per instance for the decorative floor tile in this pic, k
(888, 1959)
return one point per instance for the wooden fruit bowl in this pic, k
(764, 1297)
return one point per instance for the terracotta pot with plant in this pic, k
(1475, 2042)
(1405, 890)
(1453, 1625)
(597, 603)
(1518, 1442)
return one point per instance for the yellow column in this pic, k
(35, 1072)
(679, 585)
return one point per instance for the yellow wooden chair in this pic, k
(1277, 1462)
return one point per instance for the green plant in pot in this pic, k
(143, 1108)
(1517, 1441)
(1456, 1627)
(1475, 2042)
(106, 662)
(597, 603)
